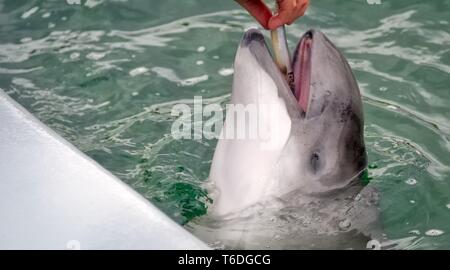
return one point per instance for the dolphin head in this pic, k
(309, 139)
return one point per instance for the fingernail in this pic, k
(273, 23)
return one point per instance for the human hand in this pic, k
(288, 11)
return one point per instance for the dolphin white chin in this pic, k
(297, 177)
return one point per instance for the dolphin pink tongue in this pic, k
(302, 73)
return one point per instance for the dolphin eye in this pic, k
(315, 161)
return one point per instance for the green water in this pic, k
(105, 75)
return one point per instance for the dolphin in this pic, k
(307, 158)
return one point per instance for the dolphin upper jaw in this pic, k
(315, 132)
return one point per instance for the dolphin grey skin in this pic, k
(308, 164)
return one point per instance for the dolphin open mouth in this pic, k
(301, 66)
